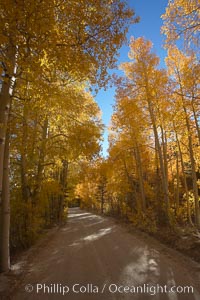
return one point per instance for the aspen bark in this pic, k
(5, 212)
(24, 181)
(63, 183)
(191, 154)
(40, 168)
(132, 184)
(177, 182)
(184, 179)
(5, 101)
(161, 160)
(196, 119)
(193, 168)
(162, 164)
(140, 176)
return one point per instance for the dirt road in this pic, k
(92, 257)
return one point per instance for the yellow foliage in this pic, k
(181, 20)
(145, 221)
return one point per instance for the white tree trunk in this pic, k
(5, 103)
(5, 212)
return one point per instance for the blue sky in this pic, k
(149, 12)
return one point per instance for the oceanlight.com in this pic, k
(61, 289)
